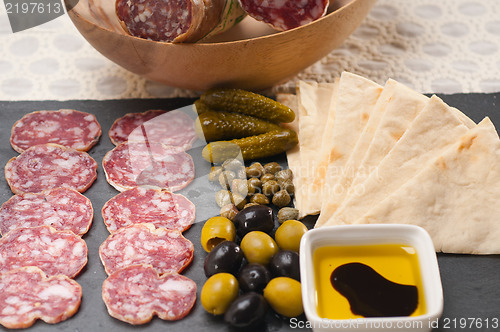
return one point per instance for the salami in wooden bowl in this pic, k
(251, 55)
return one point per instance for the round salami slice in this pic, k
(61, 208)
(49, 166)
(285, 14)
(70, 128)
(54, 252)
(148, 205)
(133, 164)
(27, 294)
(166, 250)
(173, 128)
(136, 293)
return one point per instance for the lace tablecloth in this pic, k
(446, 46)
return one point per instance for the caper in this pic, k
(239, 186)
(272, 167)
(283, 175)
(288, 186)
(239, 201)
(267, 177)
(259, 199)
(249, 205)
(269, 188)
(229, 211)
(232, 165)
(287, 213)
(214, 174)
(255, 170)
(241, 173)
(281, 198)
(254, 186)
(223, 197)
(226, 178)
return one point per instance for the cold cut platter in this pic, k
(470, 283)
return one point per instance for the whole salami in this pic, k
(27, 294)
(166, 250)
(136, 293)
(133, 164)
(285, 14)
(173, 128)
(54, 252)
(177, 20)
(61, 208)
(70, 128)
(148, 205)
(49, 166)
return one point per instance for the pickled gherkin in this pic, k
(253, 147)
(249, 103)
(214, 126)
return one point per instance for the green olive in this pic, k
(258, 247)
(218, 292)
(288, 235)
(284, 295)
(215, 231)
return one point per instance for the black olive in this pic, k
(253, 278)
(254, 218)
(225, 257)
(285, 263)
(247, 310)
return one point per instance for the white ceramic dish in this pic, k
(350, 235)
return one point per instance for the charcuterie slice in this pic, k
(178, 20)
(173, 128)
(27, 294)
(49, 166)
(285, 14)
(148, 205)
(166, 250)
(54, 252)
(136, 293)
(132, 164)
(70, 128)
(61, 208)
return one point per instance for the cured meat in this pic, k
(61, 208)
(166, 250)
(49, 166)
(174, 128)
(132, 164)
(177, 20)
(135, 293)
(285, 14)
(70, 128)
(148, 205)
(54, 252)
(27, 294)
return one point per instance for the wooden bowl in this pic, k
(250, 55)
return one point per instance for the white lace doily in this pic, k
(445, 46)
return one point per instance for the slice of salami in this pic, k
(177, 20)
(173, 128)
(148, 205)
(54, 252)
(27, 294)
(285, 14)
(49, 166)
(166, 250)
(61, 208)
(70, 128)
(132, 164)
(136, 293)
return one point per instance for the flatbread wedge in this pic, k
(455, 197)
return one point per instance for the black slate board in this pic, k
(470, 283)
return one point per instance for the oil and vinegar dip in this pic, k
(350, 280)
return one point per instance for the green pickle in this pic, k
(215, 126)
(249, 103)
(253, 147)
